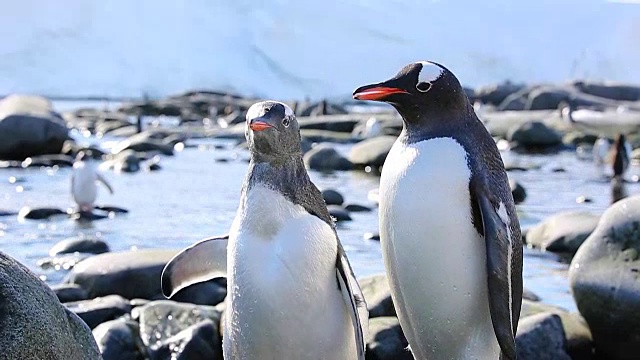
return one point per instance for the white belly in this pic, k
(435, 259)
(84, 187)
(284, 302)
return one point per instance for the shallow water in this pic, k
(194, 196)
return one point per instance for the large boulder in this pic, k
(541, 337)
(33, 323)
(605, 281)
(29, 127)
(96, 311)
(120, 340)
(534, 134)
(324, 157)
(563, 232)
(371, 152)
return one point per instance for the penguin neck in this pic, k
(282, 173)
(420, 123)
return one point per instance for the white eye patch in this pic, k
(430, 72)
(258, 109)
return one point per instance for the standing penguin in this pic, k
(292, 293)
(84, 187)
(449, 232)
(620, 156)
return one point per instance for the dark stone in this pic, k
(131, 274)
(338, 213)
(7, 213)
(112, 209)
(517, 191)
(69, 293)
(126, 161)
(563, 232)
(371, 152)
(33, 323)
(321, 108)
(534, 134)
(87, 216)
(210, 292)
(496, 94)
(377, 294)
(79, 244)
(605, 281)
(386, 340)
(96, 311)
(49, 160)
(371, 236)
(324, 157)
(120, 340)
(541, 337)
(200, 341)
(357, 208)
(39, 213)
(332, 197)
(613, 91)
(143, 146)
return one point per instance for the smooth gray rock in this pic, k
(332, 197)
(323, 157)
(39, 213)
(377, 294)
(496, 94)
(541, 337)
(386, 340)
(79, 244)
(605, 281)
(130, 274)
(357, 208)
(200, 341)
(96, 311)
(371, 152)
(533, 134)
(120, 340)
(69, 293)
(210, 292)
(609, 90)
(29, 127)
(563, 232)
(33, 323)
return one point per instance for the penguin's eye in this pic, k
(423, 86)
(285, 121)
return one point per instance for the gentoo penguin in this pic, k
(620, 155)
(84, 178)
(291, 291)
(449, 232)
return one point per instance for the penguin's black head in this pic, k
(420, 91)
(272, 131)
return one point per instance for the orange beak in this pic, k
(259, 125)
(376, 93)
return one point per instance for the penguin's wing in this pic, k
(202, 261)
(354, 299)
(105, 182)
(498, 242)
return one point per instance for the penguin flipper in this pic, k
(202, 261)
(498, 247)
(352, 294)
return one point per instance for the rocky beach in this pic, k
(176, 165)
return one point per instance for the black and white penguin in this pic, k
(291, 291)
(450, 236)
(84, 181)
(620, 156)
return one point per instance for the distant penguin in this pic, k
(620, 155)
(450, 236)
(292, 293)
(84, 179)
(369, 129)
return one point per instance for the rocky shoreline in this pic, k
(117, 295)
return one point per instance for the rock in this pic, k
(371, 236)
(131, 274)
(61, 262)
(323, 157)
(39, 213)
(529, 295)
(563, 232)
(534, 134)
(357, 208)
(200, 341)
(210, 292)
(79, 244)
(29, 127)
(96, 311)
(161, 321)
(33, 323)
(321, 108)
(49, 160)
(332, 197)
(547, 98)
(371, 152)
(126, 161)
(517, 191)
(338, 213)
(7, 213)
(496, 94)
(608, 90)
(321, 136)
(605, 281)
(87, 216)
(111, 209)
(386, 340)
(69, 293)
(120, 340)
(377, 294)
(541, 337)
(576, 138)
(141, 145)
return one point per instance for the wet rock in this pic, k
(541, 337)
(332, 197)
(142, 145)
(534, 134)
(126, 161)
(162, 321)
(200, 341)
(371, 236)
(529, 295)
(111, 209)
(605, 280)
(377, 294)
(29, 127)
(96, 311)
(7, 213)
(33, 323)
(69, 293)
(517, 191)
(79, 244)
(357, 208)
(210, 292)
(496, 94)
(371, 152)
(61, 262)
(131, 274)
(120, 340)
(49, 160)
(563, 232)
(338, 213)
(39, 213)
(87, 216)
(386, 340)
(323, 157)
(613, 91)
